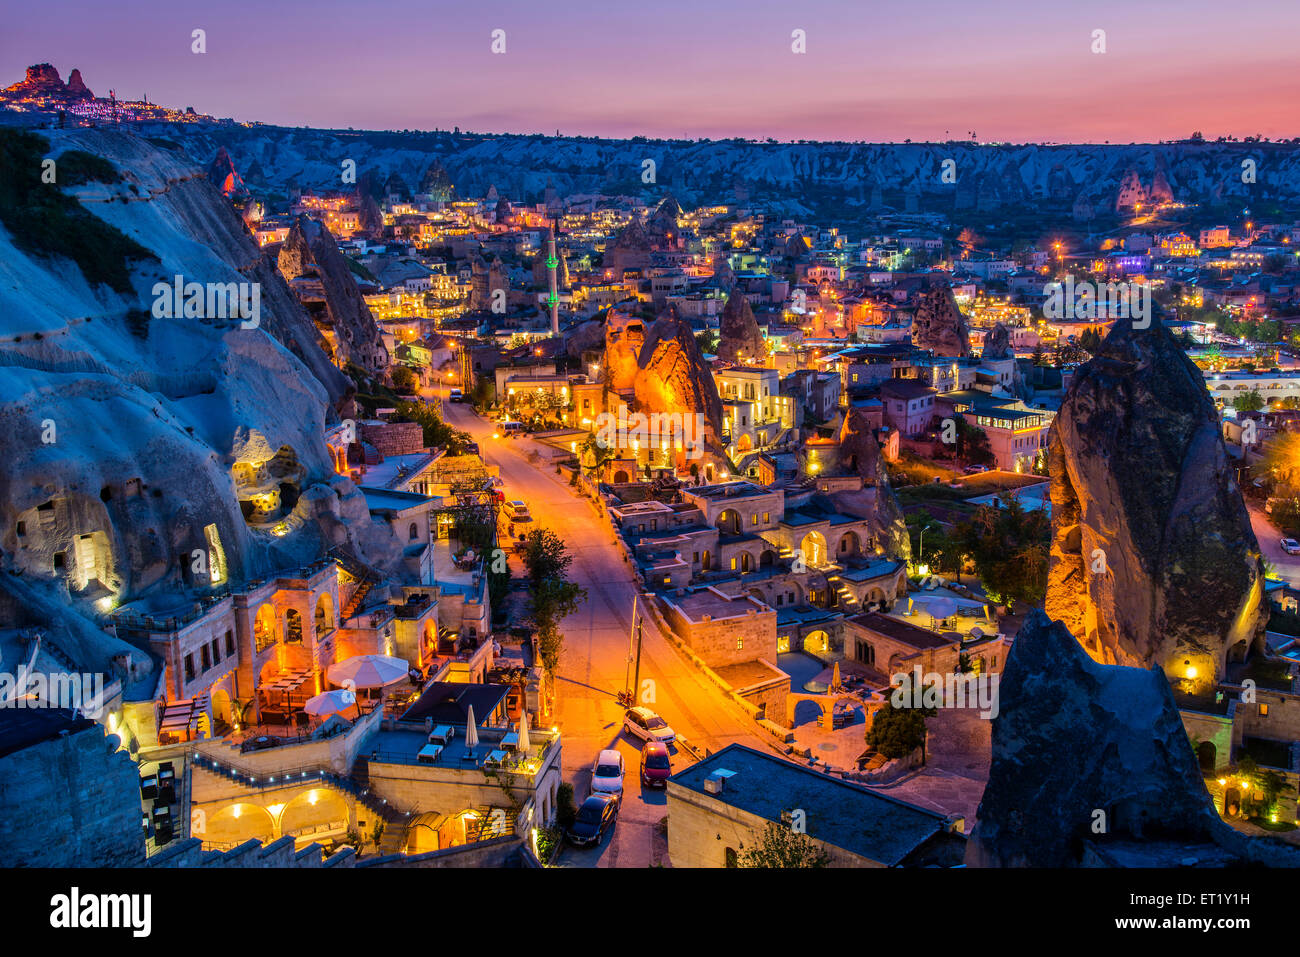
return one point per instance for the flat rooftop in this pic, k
(845, 815)
(891, 627)
(695, 605)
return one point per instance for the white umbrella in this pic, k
(369, 671)
(836, 684)
(331, 702)
(471, 731)
(524, 743)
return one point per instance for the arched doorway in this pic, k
(1207, 755)
(807, 711)
(236, 823)
(729, 522)
(620, 477)
(817, 641)
(767, 559)
(850, 544)
(813, 549)
(313, 809)
(324, 615)
(264, 632)
(744, 561)
(292, 627)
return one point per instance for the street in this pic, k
(593, 667)
(1285, 566)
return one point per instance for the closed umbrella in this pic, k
(368, 671)
(836, 684)
(524, 743)
(471, 731)
(331, 702)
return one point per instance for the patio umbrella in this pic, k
(368, 671)
(471, 731)
(524, 743)
(836, 684)
(331, 702)
(940, 608)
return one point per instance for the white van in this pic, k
(510, 429)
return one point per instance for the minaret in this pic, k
(554, 299)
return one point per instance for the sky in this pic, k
(1011, 71)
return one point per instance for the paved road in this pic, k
(1270, 543)
(596, 643)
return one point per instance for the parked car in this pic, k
(517, 512)
(976, 469)
(643, 723)
(510, 430)
(607, 774)
(594, 818)
(455, 395)
(1291, 546)
(656, 768)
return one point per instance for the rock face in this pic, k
(739, 337)
(860, 455)
(938, 325)
(342, 316)
(997, 343)
(661, 366)
(1074, 737)
(1153, 559)
(224, 176)
(77, 88)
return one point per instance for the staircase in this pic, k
(367, 575)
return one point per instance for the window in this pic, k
(230, 644)
(189, 667)
(766, 517)
(695, 557)
(733, 563)
(216, 651)
(740, 644)
(1263, 710)
(207, 657)
(754, 519)
(414, 531)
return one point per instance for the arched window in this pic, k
(415, 531)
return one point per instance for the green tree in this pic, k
(1009, 547)
(897, 731)
(1250, 401)
(707, 341)
(553, 596)
(436, 431)
(780, 846)
(405, 381)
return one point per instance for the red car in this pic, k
(655, 766)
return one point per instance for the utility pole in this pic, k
(554, 298)
(628, 695)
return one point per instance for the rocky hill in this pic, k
(794, 179)
(123, 428)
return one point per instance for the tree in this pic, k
(897, 731)
(707, 341)
(554, 597)
(1009, 547)
(1250, 401)
(780, 846)
(405, 380)
(436, 431)
(1090, 341)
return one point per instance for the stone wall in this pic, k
(71, 802)
(394, 438)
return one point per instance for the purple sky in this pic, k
(1009, 70)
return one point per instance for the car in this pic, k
(643, 723)
(1291, 546)
(976, 469)
(471, 448)
(517, 512)
(607, 773)
(455, 395)
(596, 816)
(656, 768)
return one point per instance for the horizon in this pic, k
(847, 87)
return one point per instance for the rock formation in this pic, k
(1092, 765)
(77, 88)
(660, 367)
(860, 455)
(938, 325)
(347, 327)
(224, 176)
(997, 343)
(44, 80)
(739, 337)
(1153, 559)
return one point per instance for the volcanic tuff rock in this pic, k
(663, 369)
(44, 80)
(123, 429)
(1073, 738)
(860, 454)
(347, 324)
(997, 343)
(224, 176)
(938, 324)
(1153, 559)
(739, 337)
